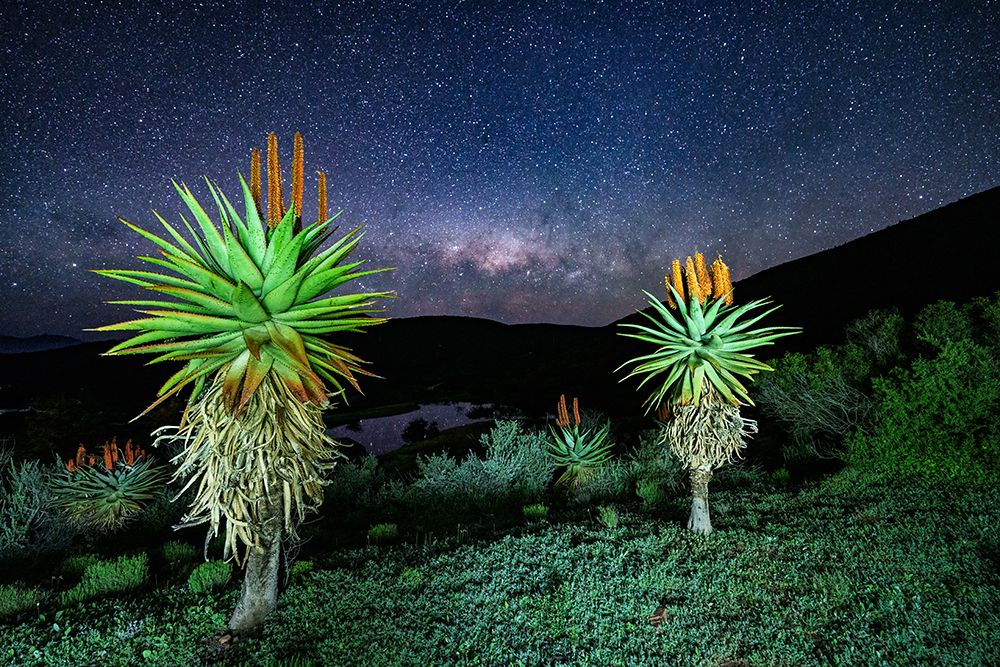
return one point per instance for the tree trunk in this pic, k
(700, 521)
(260, 581)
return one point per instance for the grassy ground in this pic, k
(851, 571)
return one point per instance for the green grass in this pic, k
(853, 571)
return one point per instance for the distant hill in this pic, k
(944, 254)
(16, 344)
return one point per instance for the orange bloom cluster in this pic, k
(699, 281)
(275, 199)
(110, 457)
(562, 414)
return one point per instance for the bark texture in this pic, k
(260, 581)
(700, 520)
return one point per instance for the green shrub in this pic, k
(178, 553)
(611, 481)
(650, 492)
(817, 398)
(653, 463)
(516, 470)
(210, 575)
(880, 333)
(352, 484)
(781, 477)
(382, 533)
(938, 419)
(108, 577)
(535, 512)
(76, 565)
(941, 322)
(411, 577)
(301, 567)
(29, 527)
(607, 516)
(16, 599)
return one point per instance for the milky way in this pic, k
(542, 162)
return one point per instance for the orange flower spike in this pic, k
(576, 411)
(91, 461)
(81, 453)
(129, 454)
(562, 419)
(670, 297)
(725, 283)
(321, 199)
(255, 178)
(694, 289)
(675, 272)
(108, 463)
(275, 206)
(70, 465)
(297, 165)
(704, 279)
(114, 454)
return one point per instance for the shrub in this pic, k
(516, 470)
(938, 419)
(781, 477)
(653, 463)
(76, 565)
(607, 516)
(880, 334)
(15, 599)
(611, 481)
(535, 512)
(817, 398)
(381, 533)
(178, 553)
(411, 577)
(301, 567)
(28, 525)
(352, 484)
(649, 490)
(210, 575)
(108, 577)
(941, 322)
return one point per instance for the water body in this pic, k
(380, 435)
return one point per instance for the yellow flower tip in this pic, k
(670, 297)
(704, 278)
(321, 198)
(675, 271)
(297, 173)
(255, 178)
(694, 289)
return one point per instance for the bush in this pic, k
(649, 490)
(77, 564)
(516, 470)
(607, 516)
(352, 484)
(382, 533)
(535, 512)
(611, 481)
(652, 463)
(178, 553)
(15, 599)
(938, 419)
(210, 575)
(29, 527)
(817, 398)
(880, 333)
(108, 577)
(301, 567)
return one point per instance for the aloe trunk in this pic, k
(700, 520)
(260, 581)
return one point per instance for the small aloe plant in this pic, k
(580, 452)
(107, 491)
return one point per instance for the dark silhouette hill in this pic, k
(18, 344)
(75, 395)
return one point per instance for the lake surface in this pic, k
(380, 435)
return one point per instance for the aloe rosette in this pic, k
(250, 319)
(700, 347)
(108, 492)
(580, 452)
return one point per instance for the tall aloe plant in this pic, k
(697, 368)
(249, 319)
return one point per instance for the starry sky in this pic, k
(522, 161)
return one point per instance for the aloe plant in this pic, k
(580, 452)
(250, 316)
(697, 368)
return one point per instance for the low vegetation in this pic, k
(485, 560)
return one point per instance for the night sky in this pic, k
(539, 163)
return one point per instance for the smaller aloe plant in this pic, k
(580, 452)
(107, 491)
